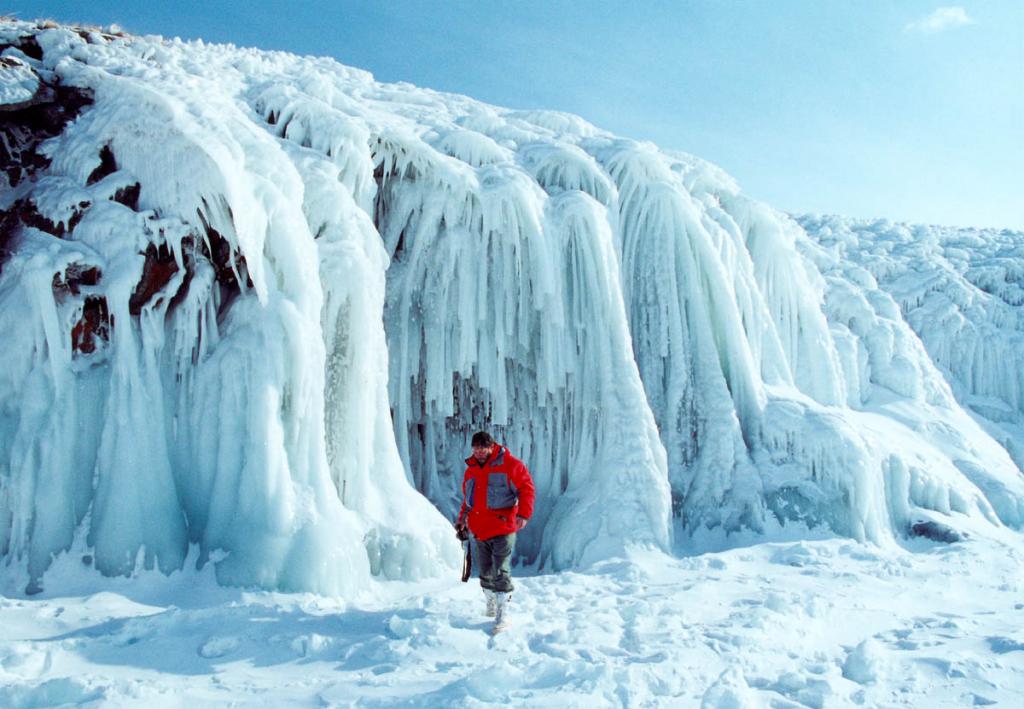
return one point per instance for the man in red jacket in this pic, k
(497, 501)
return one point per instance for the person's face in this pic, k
(482, 453)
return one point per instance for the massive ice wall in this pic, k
(783, 395)
(937, 314)
(504, 312)
(186, 292)
(261, 302)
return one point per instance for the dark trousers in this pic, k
(494, 560)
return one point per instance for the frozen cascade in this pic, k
(767, 400)
(942, 309)
(258, 303)
(504, 312)
(187, 405)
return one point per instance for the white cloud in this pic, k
(943, 18)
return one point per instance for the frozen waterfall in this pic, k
(257, 304)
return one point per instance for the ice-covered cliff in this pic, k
(258, 303)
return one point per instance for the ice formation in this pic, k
(259, 303)
(199, 356)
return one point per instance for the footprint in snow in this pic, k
(63, 691)
(25, 661)
(806, 691)
(775, 601)
(796, 555)
(1001, 645)
(944, 667)
(729, 691)
(218, 646)
(312, 644)
(864, 663)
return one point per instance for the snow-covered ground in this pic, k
(785, 624)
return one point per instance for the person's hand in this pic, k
(461, 531)
(520, 523)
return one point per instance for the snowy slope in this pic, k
(258, 303)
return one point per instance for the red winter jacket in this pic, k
(495, 493)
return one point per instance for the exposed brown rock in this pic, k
(158, 271)
(29, 45)
(24, 129)
(107, 166)
(74, 277)
(218, 250)
(9, 225)
(129, 196)
(93, 326)
(29, 215)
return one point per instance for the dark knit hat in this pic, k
(482, 439)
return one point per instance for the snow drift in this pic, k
(258, 303)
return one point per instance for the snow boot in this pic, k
(492, 603)
(501, 615)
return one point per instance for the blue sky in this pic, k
(910, 110)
